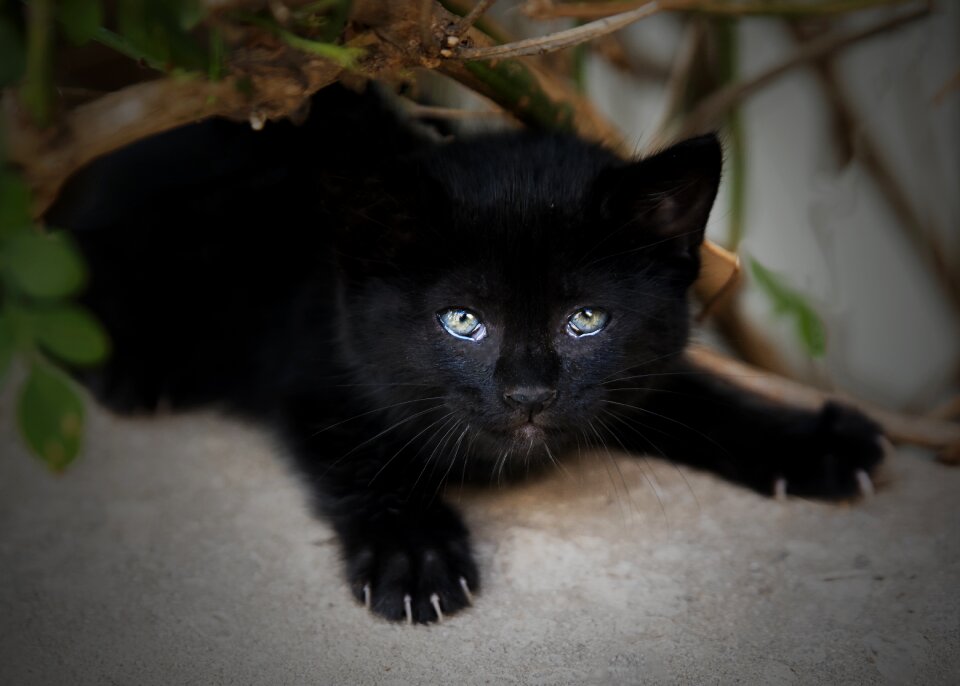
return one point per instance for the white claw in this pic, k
(366, 596)
(407, 607)
(435, 601)
(466, 590)
(866, 485)
(780, 489)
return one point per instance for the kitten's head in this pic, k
(516, 278)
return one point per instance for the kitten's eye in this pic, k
(461, 323)
(588, 321)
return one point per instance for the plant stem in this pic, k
(115, 41)
(37, 92)
(595, 10)
(471, 17)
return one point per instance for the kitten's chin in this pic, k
(530, 432)
(529, 440)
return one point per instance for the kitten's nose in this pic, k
(532, 399)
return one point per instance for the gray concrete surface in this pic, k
(178, 550)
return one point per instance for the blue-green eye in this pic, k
(461, 323)
(588, 321)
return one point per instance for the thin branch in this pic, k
(687, 68)
(426, 26)
(608, 24)
(711, 110)
(547, 9)
(922, 431)
(471, 17)
(641, 66)
(924, 237)
(949, 411)
(48, 158)
(951, 85)
(419, 111)
(570, 37)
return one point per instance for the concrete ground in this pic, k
(178, 550)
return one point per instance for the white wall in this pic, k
(893, 337)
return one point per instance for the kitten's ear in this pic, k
(663, 200)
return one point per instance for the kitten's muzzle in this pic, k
(531, 400)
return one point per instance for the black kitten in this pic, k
(407, 312)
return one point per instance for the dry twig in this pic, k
(471, 17)
(712, 109)
(419, 111)
(548, 9)
(570, 37)
(922, 431)
(924, 237)
(612, 49)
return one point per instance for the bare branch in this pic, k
(426, 26)
(951, 85)
(471, 17)
(922, 431)
(924, 237)
(614, 22)
(419, 111)
(570, 37)
(48, 158)
(547, 9)
(612, 49)
(710, 112)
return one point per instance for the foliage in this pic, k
(39, 274)
(41, 271)
(788, 303)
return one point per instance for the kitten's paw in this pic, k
(837, 460)
(418, 573)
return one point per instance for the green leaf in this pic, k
(80, 19)
(8, 344)
(14, 203)
(191, 13)
(43, 265)
(158, 30)
(70, 333)
(11, 53)
(811, 332)
(789, 303)
(50, 414)
(345, 56)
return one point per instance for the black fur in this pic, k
(298, 275)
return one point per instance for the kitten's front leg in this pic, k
(405, 561)
(698, 418)
(407, 554)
